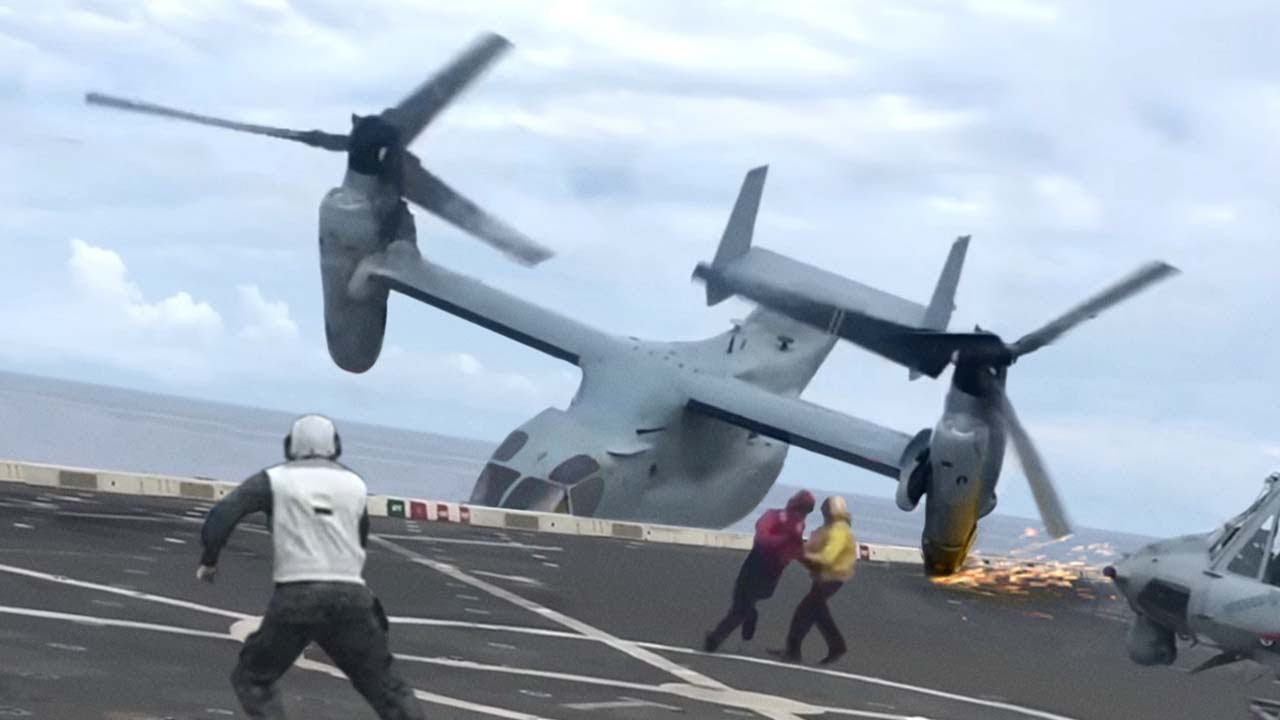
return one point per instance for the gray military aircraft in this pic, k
(368, 210)
(1221, 589)
(682, 432)
(957, 465)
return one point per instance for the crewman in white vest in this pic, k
(319, 528)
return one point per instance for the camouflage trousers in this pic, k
(347, 623)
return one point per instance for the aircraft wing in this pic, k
(800, 423)
(403, 269)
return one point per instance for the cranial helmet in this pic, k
(834, 508)
(802, 502)
(312, 436)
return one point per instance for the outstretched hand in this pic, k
(205, 573)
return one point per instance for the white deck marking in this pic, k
(622, 702)
(119, 591)
(24, 526)
(776, 709)
(110, 622)
(481, 543)
(759, 702)
(543, 632)
(115, 516)
(618, 644)
(513, 578)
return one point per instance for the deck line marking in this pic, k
(628, 648)
(482, 543)
(666, 689)
(525, 630)
(119, 591)
(111, 622)
(240, 631)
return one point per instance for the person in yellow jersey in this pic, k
(829, 554)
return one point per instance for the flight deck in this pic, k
(101, 617)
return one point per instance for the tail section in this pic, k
(738, 233)
(938, 314)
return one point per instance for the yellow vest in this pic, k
(832, 551)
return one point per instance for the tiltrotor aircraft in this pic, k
(688, 432)
(1220, 589)
(955, 466)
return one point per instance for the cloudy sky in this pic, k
(1073, 141)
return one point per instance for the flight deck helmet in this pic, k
(312, 436)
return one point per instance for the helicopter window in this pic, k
(493, 483)
(586, 496)
(1248, 561)
(1271, 575)
(574, 469)
(510, 446)
(534, 494)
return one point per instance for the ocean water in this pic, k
(61, 422)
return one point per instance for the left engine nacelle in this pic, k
(354, 325)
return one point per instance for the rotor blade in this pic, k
(417, 110)
(1128, 286)
(1051, 510)
(430, 192)
(314, 138)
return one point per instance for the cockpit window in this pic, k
(1248, 561)
(510, 446)
(574, 469)
(586, 496)
(492, 484)
(534, 494)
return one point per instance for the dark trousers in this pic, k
(811, 611)
(346, 622)
(755, 582)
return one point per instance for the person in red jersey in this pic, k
(779, 540)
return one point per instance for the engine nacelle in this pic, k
(913, 473)
(1151, 644)
(354, 323)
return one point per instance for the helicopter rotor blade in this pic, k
(420, 107)
(1048, 503)
(314, 138)
(1123, 289)
(424, 189)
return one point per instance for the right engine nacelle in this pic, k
(1151, 644)
(353, 326)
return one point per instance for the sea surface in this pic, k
(48, 420)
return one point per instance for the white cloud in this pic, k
(956, 206)
(1212, 214)
(100, 274)
(268, 321)
(1073, 205)
(1025, 10)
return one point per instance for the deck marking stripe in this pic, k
(120, 591)
(669, 689)
(628, 648)
(524, 630)
(481, 543)
(110, 622)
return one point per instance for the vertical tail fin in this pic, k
(938, 315)
(739, 231)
